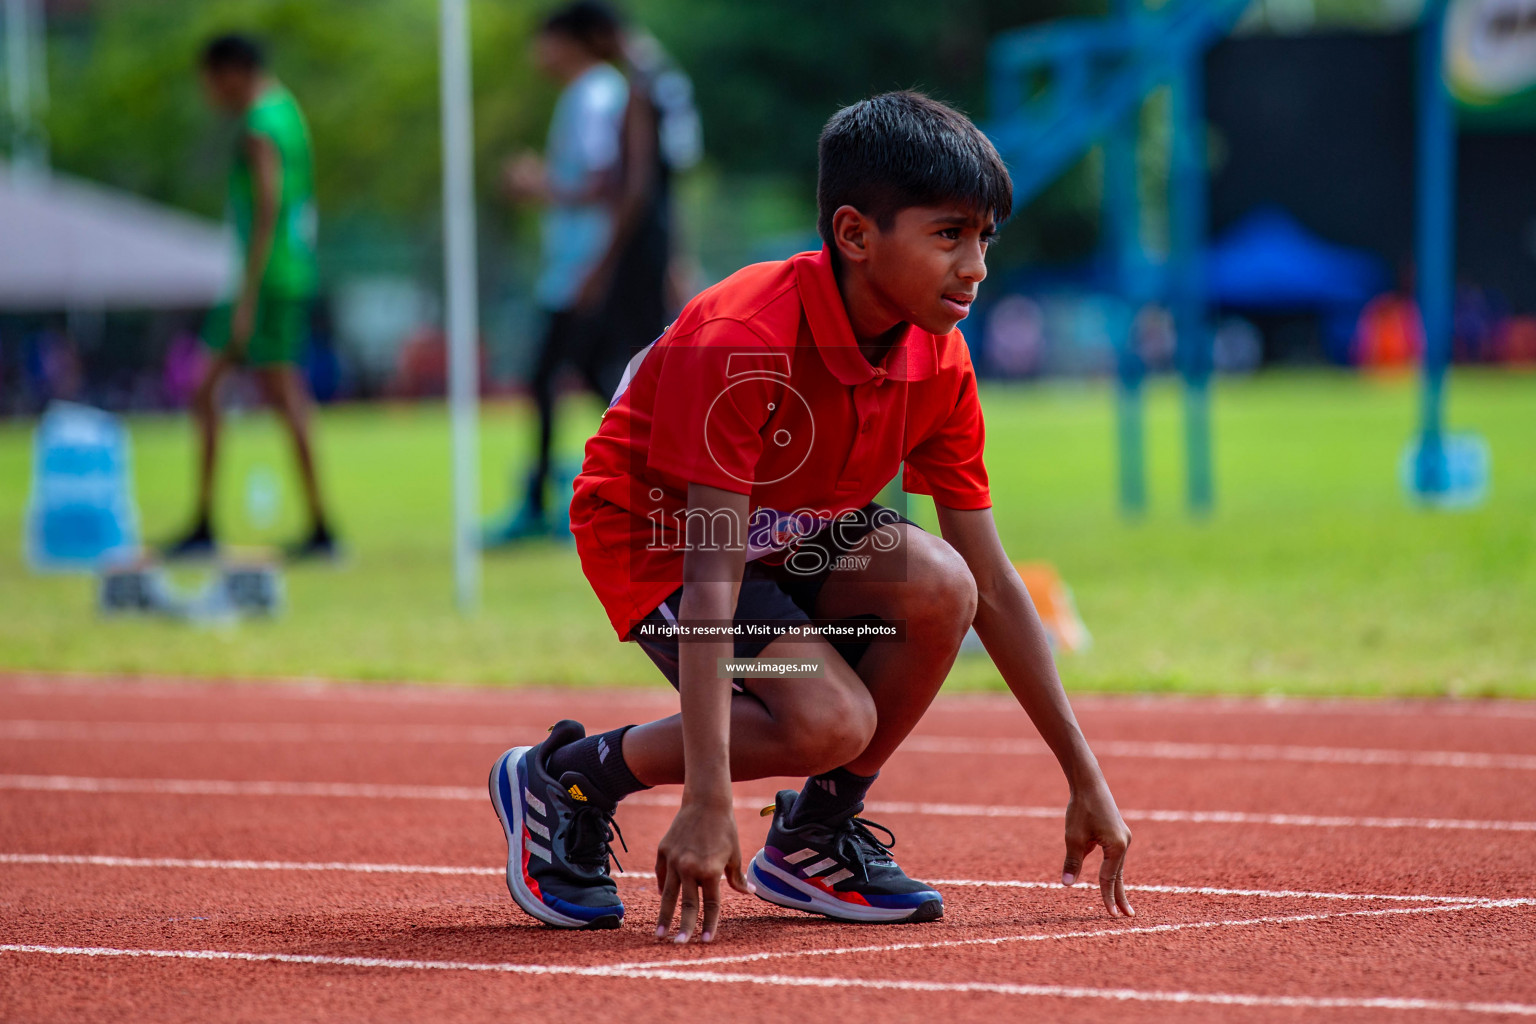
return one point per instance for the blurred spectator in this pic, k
(1155, 338)
(1015, 336)
(1389, 334)
(1237, 346)
(51, 365)
(622, 124)
(1477, 314)
(1517, 340)
(186, 362)
(421, 370)
(262, 329)
(322, 363)
(577, 182)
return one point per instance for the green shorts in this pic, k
(282, 324)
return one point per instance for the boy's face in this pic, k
(229, 90)
(559, 56)
(928, 264)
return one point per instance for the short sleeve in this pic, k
(599, 122)
(260, 122)
(948, 462)
(711, 403)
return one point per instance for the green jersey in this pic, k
(292, 269)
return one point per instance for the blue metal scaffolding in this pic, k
(1439, 469)
(1059, 88)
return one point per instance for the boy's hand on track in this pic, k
(1094, 820)
(697, 850)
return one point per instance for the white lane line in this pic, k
(184, 863)
(221, 787)
(503, 736)
(308, 689)
(796, 981)
(1096, 933)
(256, 732)
(1210, 890)
(198, 863)
(1232, 752)
(319, 690)
(371, 791)
(1191, 704)
(1204, 817)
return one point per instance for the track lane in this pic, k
(1442, 958)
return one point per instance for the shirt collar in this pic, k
(914, 357)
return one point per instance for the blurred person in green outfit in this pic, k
(263, 325)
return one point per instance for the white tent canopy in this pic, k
(68, 244)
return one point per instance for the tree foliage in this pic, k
(126, 107)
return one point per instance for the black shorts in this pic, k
(776, 596)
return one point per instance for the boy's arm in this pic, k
(267, 189)
(525, 179)
(702, 843)
(1010, 629)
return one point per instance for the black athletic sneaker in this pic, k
(198, 543)
(319, 546)
(838, 868)
(558, 835)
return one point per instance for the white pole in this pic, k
(26, 88)
(18, 78)
(459, 270)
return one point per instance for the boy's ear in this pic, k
(850, 234)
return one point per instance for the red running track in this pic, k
(172, 851)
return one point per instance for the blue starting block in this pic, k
(80, 513)
(230, 592)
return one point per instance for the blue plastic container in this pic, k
(80, 513)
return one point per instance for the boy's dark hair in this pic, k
(591, 23)
(233, 52)
(902, 149)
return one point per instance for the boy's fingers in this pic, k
(668, 899)
(1110, 884)
(690, 914)
(711, 909)
(737, 880)
(1107, 890)
(1121, 899)
(1073, 866)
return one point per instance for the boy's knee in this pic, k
(830, 730)
(945, 590)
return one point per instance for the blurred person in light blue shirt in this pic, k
(581, 159)
(578, 182)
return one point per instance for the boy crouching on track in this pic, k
(725, 517)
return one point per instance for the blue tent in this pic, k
(1268, 262)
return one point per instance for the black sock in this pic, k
(601, 759)
(831, 795)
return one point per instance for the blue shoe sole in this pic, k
(784, 890)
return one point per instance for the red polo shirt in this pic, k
(760, 388)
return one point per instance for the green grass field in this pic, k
(1314, 575)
